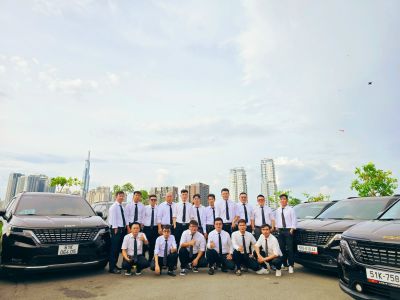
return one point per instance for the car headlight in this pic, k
(334, 241)
(345, 250)
(101, 232)
(22, 232)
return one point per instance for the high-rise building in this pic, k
(160, 192)
(268, 179)
(12, 186)
(44, 184)
(100, 194)
(238, 181)
(199, 188)
(32, 183)
(21, 184)
(86, 177)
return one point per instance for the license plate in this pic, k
(383, 277)
(68, 249)
(307, 249)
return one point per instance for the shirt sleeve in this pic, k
(173, 242)
(259, 241)
(175, 211)
(203, 219)
(183, 239)
(157, 247)
(217, 211)
(234, 241)
(252, 240)
(294, 218)
(253, 214)
(210, 239)
(275, 248)
(145, 237)
(113, 214)
(203, 244)
(272, 215)
(128, 213)
(230, 244)
(125, 242)
(192, 212)
(159, 214)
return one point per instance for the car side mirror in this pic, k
(100, 214)
(2, 212)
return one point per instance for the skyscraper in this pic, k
(32, 183)
(199, 188)
(12, 186)
(100, 194)
(21, 184)
(268, 179)
(160, 192)
(238, 183)
(86, 177)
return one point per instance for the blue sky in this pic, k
(181, 91)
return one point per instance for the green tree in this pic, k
(317, 198)
(373, 182)
(127, 188)
(294, 201)
(275, 201)
(145, 197)
(60, 182)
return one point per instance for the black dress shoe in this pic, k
(211, 271)
(114, 271)
(171, 273)
(118, 268)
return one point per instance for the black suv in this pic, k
(317, 241)
(310, 210)
(45, 231)
(369, 258)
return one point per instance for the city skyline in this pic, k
(238, 183)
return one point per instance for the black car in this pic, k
(369, 258)
(310, 210)
(45, 231)
(104, 207)
(317, 241)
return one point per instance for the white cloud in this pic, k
(162, 176)
(114, 79)
(20, 64)
(2, 69)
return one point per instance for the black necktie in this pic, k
(227, 210)
(191, 249)
(244, 244)
(266, 247)
(198, 216)
(135, 218)
(170, 214)
(123, 216)
(262, 215)
(213, 215)
(184, 213)
(135, 250)
(152, 217)
(164, 260)
(283, 219)
(245, 213)
(220, 243)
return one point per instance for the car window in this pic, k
(10, 208)
(309, 210)
(392, 213)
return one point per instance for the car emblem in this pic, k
(391, 237)
(69, 225)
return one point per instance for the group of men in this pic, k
(224, 234)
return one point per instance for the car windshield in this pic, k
(51, 205)
(360, 209)
(393, 213)
(309, 210)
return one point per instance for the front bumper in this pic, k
(76, 265)
(326, 259)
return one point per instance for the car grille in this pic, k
(314, 237)
(65, 235)
(376, 253)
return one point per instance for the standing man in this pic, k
(150, 227)
(183, 210)
(262, 215)
(198, 213)
(118, 227)
(226, 210)
(286, 223)
(134, 210)
(244, 211)
(192, 249)
(132, 251)
(165, 255)
(166, 214)
(219, 249)
(242, 242)
(210, 214)
(271, 252)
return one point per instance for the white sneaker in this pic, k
(291, 271)
(262, 271)
(278, 273)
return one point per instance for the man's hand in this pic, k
(291, 231)
(157, 269)
(229, 257)
(260, 259)
(192, 242)
(233, 225)
(142, 238)
(195, 262)
(212, 245)
(115, 230)
(205, 235)
(173, 250)
(240, 249)
(160, 231)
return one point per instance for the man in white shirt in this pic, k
(150, 227)
(118, 227)
(192, 249)
(210, 214)
(198, 213)
(242, 242)
(183, 210)
(226, 210)
(262, 214)
(132, 251)
(166, 214)
(219, 249)
(270, 253)
(165, 253)
(134, 210)
(244, 211)
(286, 223)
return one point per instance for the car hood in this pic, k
(376, 231)
(327, 225)
(56, 222)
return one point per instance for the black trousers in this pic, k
(116, 243)
(285, 240)
(209, 228)
(180, 228)
(151, 235)
(228, 228)
(214, 258)
(172, 260)
(141, 263)
(185, 259)
(276, 262)
(245, 260)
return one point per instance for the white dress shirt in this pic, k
(290, 217)
(221, 210)
(163, 213)
(237, 241)
(130, 212)
(257, 215)
(200, 244)
(273, 245)
(225, 239)
(209, 215)
(114, 216)
(128, 243)
(202, 213)
(241, 214)
(160, 245)
(179, 212)
(147, 215)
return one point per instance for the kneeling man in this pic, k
(165, 255)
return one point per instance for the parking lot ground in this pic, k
(89, 284)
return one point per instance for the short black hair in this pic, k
(283, 195)
(193, 222)
(168, 227)
(218, 219)
(119, 193)
(224, 190)
(261, 195)
(152, 196)
(266, 225)
(135, 223)
(196, 195)
(184, 191)
(242, 221)
(137, 193)
(243, 193)
(211, 195)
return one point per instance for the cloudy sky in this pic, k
(178, 92)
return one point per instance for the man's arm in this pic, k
(125, 255)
